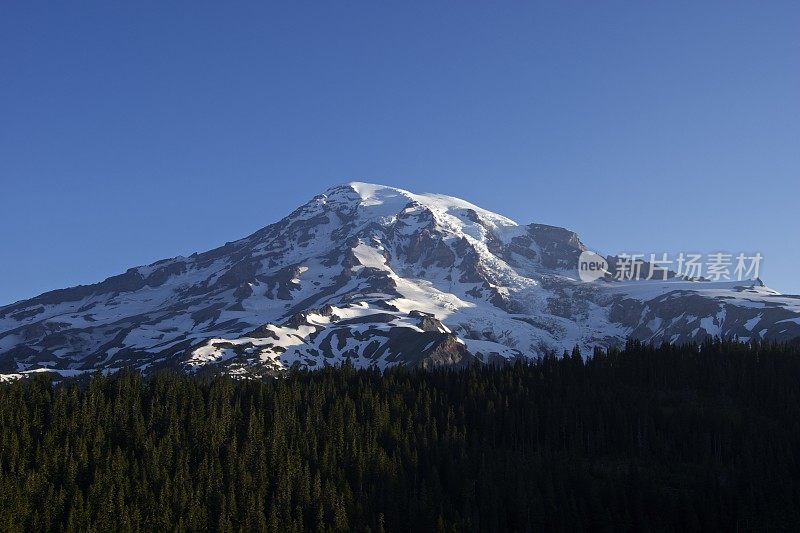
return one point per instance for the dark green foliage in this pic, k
(689, 438)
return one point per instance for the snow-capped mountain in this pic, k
(378, 276)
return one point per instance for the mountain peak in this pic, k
(379, 276)
(376, 201)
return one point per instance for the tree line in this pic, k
(692, 437)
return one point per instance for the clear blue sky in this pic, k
(134, 131)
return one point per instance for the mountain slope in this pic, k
(379, 276)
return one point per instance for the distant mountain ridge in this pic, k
(378, 276)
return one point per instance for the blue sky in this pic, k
(130, 132)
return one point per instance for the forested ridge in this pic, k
(656, 438)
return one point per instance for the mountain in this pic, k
(378, 276)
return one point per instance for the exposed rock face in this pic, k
(447, 352)
(376, 276)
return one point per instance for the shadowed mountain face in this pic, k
(378, 276)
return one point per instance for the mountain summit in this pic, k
(376, 276)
